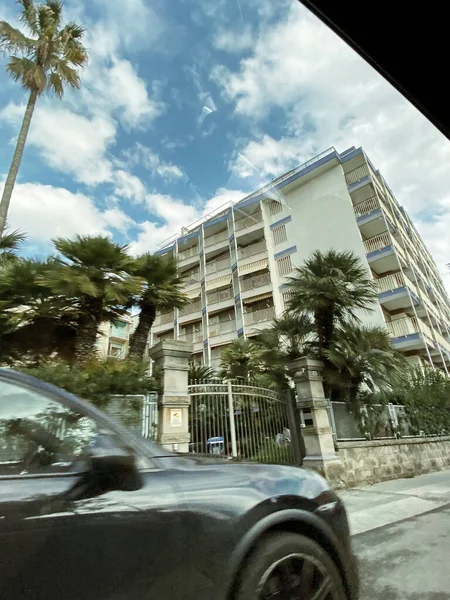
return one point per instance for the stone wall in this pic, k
(379, 460)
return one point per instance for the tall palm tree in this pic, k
(44, 57)
(363, 354)
(332, 286)
(93, 277)
(161, 290)
(200, 373)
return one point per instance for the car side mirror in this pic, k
(112, 465)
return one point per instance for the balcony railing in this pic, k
(366, 207)
(356, 174)
(211, 240)
(407, 326)
(188, 253)
(252, 250)
(259, 316)
(192, 278)
(390, 282)
(255, 282)
(122, 333)
(248, 221)
(191, 308)
(221, 328)
(196, 336)
(377, 242)
(218, 265)
(163, 319)
(219, 295)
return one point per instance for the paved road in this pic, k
(402, 537)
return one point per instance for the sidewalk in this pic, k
(374, 506)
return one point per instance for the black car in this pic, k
(89, 511)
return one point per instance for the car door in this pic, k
(56, 542)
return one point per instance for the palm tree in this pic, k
(290, 336)
(200, 373)
(242, 359)
(93, 278)
(36, 323)
(332, 286)
(45, 57)
(9, 244)
(364, 355)
(161, 290)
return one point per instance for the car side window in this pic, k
(39, 435)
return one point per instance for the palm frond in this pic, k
(66, 73)
(55, 84)
(56, 8)
(28, 16)
(30, 74)
(13, 40)
(11, 240)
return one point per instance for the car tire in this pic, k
(279, 560)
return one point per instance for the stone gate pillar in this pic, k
(317, 432)
(172, 357)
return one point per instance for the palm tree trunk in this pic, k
(17, 158)
(87, 330)
(138, 341)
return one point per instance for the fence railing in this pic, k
(219, 295)
(196, 336)
(218, 265)
(390, 282)
(221, 328)
(239, 420)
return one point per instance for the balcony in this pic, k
(190, 312)
(163, 319)
(120, 333)
(222, 332)
(259, 316)
(370, 217)
(216, 240)
(252, 222)
(252, 250)
(253, 283)
(193, 337)
(377, 242)
(357, 174)
(410, 333)
(216, 267)
(191, 279)
(188, 256)
(394, 291)
(366, 207)
(381, 254)
(219, 299)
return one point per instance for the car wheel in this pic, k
(287, 566)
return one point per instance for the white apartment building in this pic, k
(114, 336)
(236, 262)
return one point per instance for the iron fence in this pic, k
(138, 412)
(240, 420)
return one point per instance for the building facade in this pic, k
(236, 263)
(114, 336)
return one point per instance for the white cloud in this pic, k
(173, 214)
(233, 41)
(129, 186)
(144, 156)
(68, 142)
(331, 97)
(44, 212)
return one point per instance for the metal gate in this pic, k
(138, 412)
(241, 421)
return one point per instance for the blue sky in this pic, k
(191, 104)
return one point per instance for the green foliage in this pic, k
(242, 359)
(96, 382)
(200, 373)
(273, 454)
(47, 54)
(426, 397)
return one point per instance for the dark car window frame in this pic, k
(144, 449)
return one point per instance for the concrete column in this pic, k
(172, 357)
(317, 432)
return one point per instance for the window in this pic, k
(284, 265)
(279, 235)
(40, 435)
(287, 296)
(116, 350)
